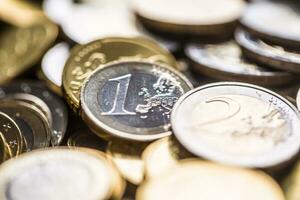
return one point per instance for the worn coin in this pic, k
(132, 99)
(267, 54)
(87, 58)
(194, 179)
(224, 61)
(237, 124)
(59, 112)
(60, 174)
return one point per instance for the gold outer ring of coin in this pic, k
(3, 150)
(78, 67)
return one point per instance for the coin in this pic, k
(194, 179)
(267, 54)
(291, 184)
(132, 100)
(127, 157)
(11, 134)
(2, 149)
(25, 113)
(53, 64)
(59, 112)
(274, 21)
(298, 99)
(224, 61)
(60, 174)
(87, 58)
(212, 18)
(237, 124)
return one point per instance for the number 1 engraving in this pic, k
(120, 97)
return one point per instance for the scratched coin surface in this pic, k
(132, 99)
(224, 61)
(237, 124)
(91, 56)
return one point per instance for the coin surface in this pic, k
(291, 184)
(59, 112)
(199, 179)
(271, 55)
(274, 21)
(237, 124)
(224, 61)
(60, 174)
(132, 99)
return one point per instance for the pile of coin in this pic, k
(129, 99)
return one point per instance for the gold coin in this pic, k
(194, 179)
(85, 59)
(2, 149)
(291, 184)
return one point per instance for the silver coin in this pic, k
(132, 100)
(271, 55)
(237, 124)
(57, 107)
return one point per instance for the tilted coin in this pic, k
(11, 134)
(39, 133)
(212, 18)
(59, 112)
(52, 66)
(271, 55)
(194, 179)
(91, 56)
(291, 184)
(60, 174)
(224, 61)
(275, 21)
(132, 99)
(128, 158)
(237, 124)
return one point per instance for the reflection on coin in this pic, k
(21, 48)
(274, 21)
(128, 158)
(132, 100)
(59, 113)
(53, 64)
(39, 135)
(202, 17)
(298, 99)
(11, 134)
(87, 58)
(291, 184)
(224, 61)
(271, 55)
(60, 174)
(237, 124)
(207, 181)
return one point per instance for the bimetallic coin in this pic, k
(237, 124)
(11, 134)
(91, 56)
(224, 61)
(59, 112)
(194, 179)
(267, 54)
(60, 174)
(132, 100)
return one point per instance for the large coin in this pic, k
(85, 59)
(237, 124)
(224, 61)
(132, 100)
(267, 54)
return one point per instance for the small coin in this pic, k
(28, 115)
(59, 112)
(128, 158)
(132, 100)
(60, 174)
(224, 61)
(207, 181)
(11, 134)
(85, 59)
(237, 124)
(213, 18)
(275, 21)
(267, 54)
(53, 64)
